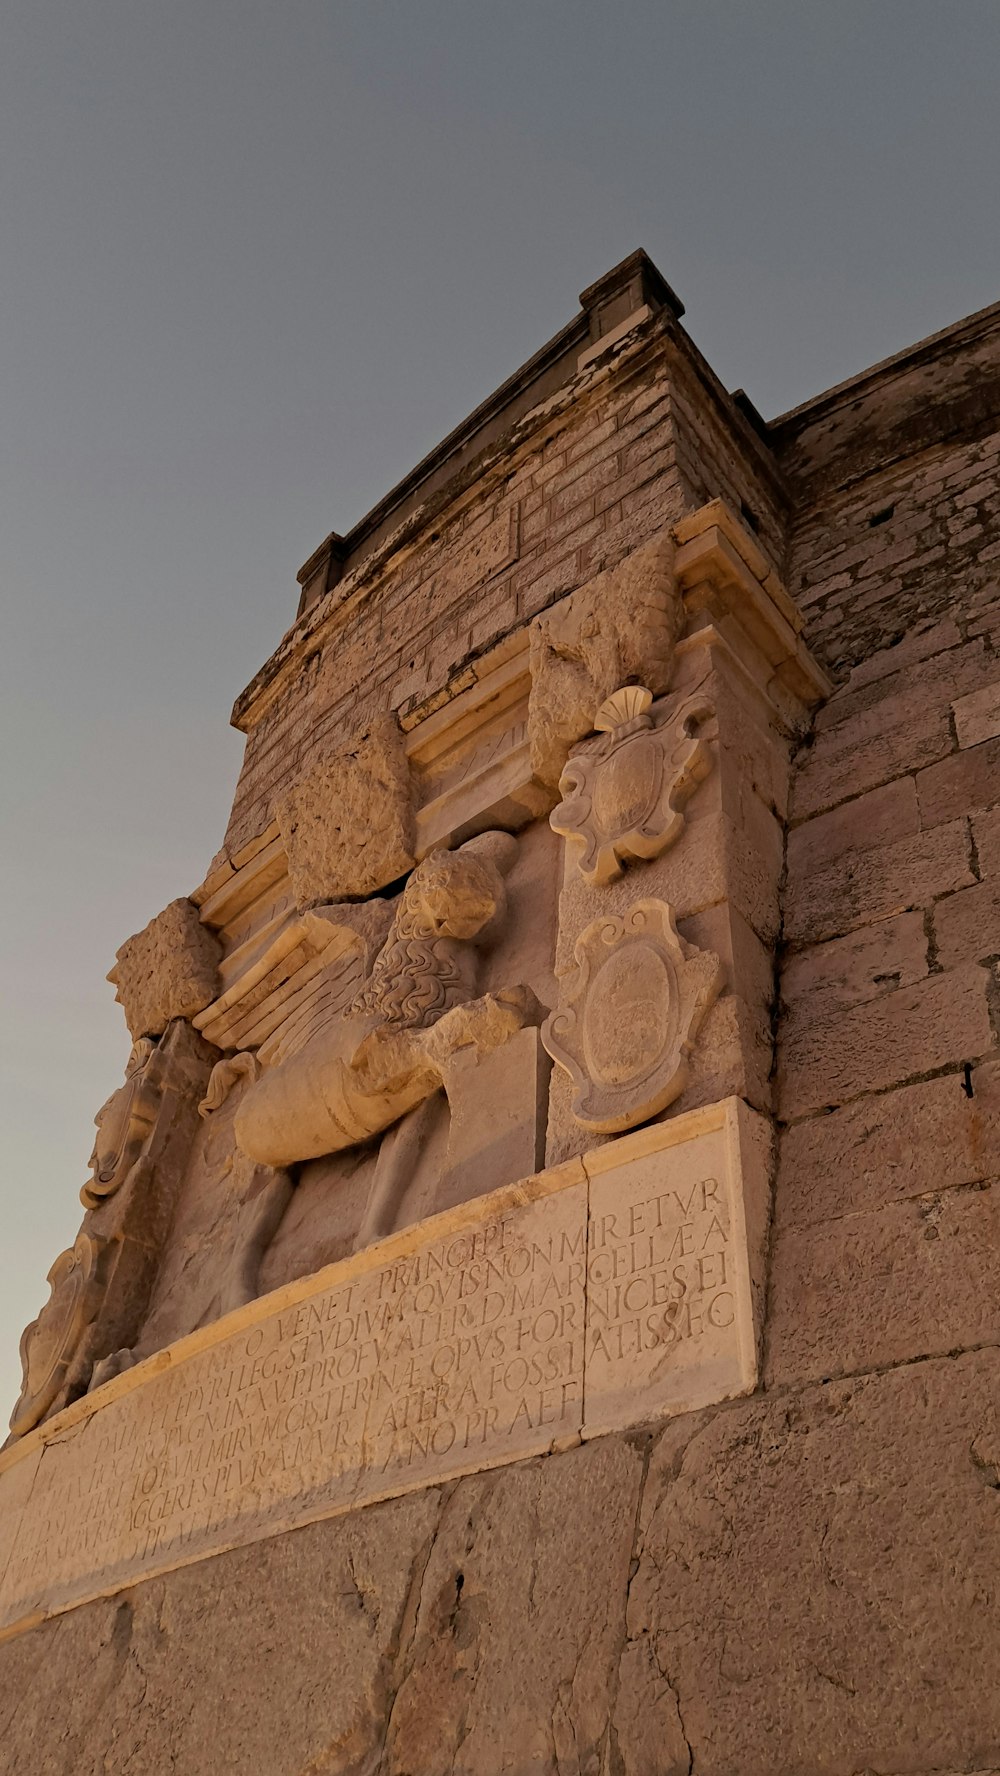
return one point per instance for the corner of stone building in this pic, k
(552, 1201)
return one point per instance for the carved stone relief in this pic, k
(50, 1345)
(124, 1124)
(228, 1210)
(310, 966)
(347, 823)
(100, 1289)
(623, 798)
(167, 971)
(388, 1050)
(621, 628)
(629, 1016)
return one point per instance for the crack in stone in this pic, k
(396, 1653)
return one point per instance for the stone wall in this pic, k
(633, 443)
(801, 1582)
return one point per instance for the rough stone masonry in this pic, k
(536, 1310)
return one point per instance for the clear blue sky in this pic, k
(258, 258)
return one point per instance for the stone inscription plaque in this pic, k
(606, 1292)
(674, 1262)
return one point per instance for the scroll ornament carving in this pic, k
(389, 1049)
(224, 1076)
(50, 1343)
(630, 1016)
(621, 628)
(624, 797)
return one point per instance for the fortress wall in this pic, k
(801, 1582)
(635, 444)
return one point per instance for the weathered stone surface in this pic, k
(914, 1141)
(867, 750)
(931, 677)
(520, 1617)
(347, 822)
(942, 1020)
(496, 1128)
(977, 716)
(732, 1057)
(309, 1629)
(168, 970)
(620, 629)
(875, 819)
(887, 728)
(856, 1520)
(915, 1278)
(969, 779)
(967, 924)
(862, 886)
(850, 970)
(986, 835)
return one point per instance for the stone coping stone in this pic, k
(609, 1292)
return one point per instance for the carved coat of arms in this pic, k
(624, 797)
(631, 1011)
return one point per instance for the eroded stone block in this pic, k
(846, 1508)
(347, 822)
(620, 629)
(168, 970)
(514, 1664)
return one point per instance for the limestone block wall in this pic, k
(632, 441)
(803, 1581)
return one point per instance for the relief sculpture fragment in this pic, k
(51, 1344)
(621, 628)
(389, 1049)
(623, 798)
(100, 1287)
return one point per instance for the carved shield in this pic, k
(624, 798)
(630, 1016)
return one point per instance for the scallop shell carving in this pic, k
(623, 705)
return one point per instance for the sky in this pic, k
(257, 259)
